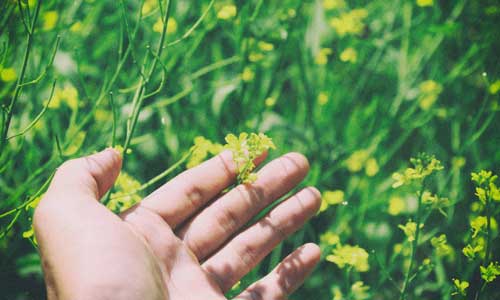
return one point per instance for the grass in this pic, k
(359, 87)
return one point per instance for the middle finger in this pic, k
(207, 231)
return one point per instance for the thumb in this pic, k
(91, 175)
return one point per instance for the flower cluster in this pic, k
(350, 256)
(125, 195)
(361, 159)
(201, 149)
(246, 148)
(423, 166)
(331, 198)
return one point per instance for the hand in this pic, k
(186, 240)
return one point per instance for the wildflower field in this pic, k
(394, 102)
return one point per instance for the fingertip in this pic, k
(299, 159)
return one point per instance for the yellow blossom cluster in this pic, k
(410, 229)
(245, 149)
(331, 198)
(68, 95)
(125, 195)
(351, 22)
(350, 256)
(429, 92)
(361, 159)
(423, 166)
(201, 149)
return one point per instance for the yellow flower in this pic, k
(349, 255)
(349, 55)
(248, 74)
(76, 27)
(429, 91)
(8, 74)
(371, 167)
(270, 101)
(470, 251)
(460, 287)
(329, 238)
(494, 87)
(322, 98)
(357, 160)
(264, 46)
(171, 26)
(441, 246)
(68, 95)
(424, 3)
(350, 22)
(255, 56)
(396, 205)
(410, 229)
(490, 272)
(148, 6)
(333, 4)
(359, 290)
(227, 12)
(126, 193)
(50, 20)
(201, 149)
(322, 56)
(333, 197)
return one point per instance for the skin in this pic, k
(187, 240)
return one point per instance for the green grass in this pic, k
(413, 79)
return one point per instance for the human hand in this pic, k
(186, 240)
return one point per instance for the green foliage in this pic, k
(357, 86)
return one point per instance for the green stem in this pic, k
(414, 244)
(20, 79)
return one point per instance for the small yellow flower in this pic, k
(333, 197)
(494, 88)
(329, 238)
(429, 91)
(460, 287)
(349, 55)
(410, 229)
(349, 255)
(396, 205)
(333, 4)
(264, 46)
(247, 74)
(441, 246)
(490, 272)
(126, 193)
(8, 74)
(371, 167)
(171, 26)
(255, 56)
(227, 12)
(360, 291)
(76, 27)
(357, 160)
(322, 56)
(148, 6)
(350, 22)
(322, 98)
(424, 3)
(470, 251)
(50, 20)
(270, 101)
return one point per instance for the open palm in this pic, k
(187, 240)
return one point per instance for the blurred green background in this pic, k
(359, 87)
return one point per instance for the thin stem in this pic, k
(38, 117)
(17, 91)
(414, 244)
